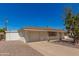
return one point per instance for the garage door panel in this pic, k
(12, 36)
(43, 35)
(34, 36)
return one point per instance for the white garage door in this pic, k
(12, 36)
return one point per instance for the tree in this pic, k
(2, 30)
(72, 25)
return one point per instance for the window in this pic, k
(52, 33)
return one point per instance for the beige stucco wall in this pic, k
(44, 36)
(31, 36)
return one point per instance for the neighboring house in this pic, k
(40, 34)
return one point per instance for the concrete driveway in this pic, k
(52, 49)
(17, 48)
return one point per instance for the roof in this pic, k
(42, 29)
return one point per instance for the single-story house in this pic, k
(32, 34)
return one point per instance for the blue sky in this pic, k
(31, 14)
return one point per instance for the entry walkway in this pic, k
(52, 49)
